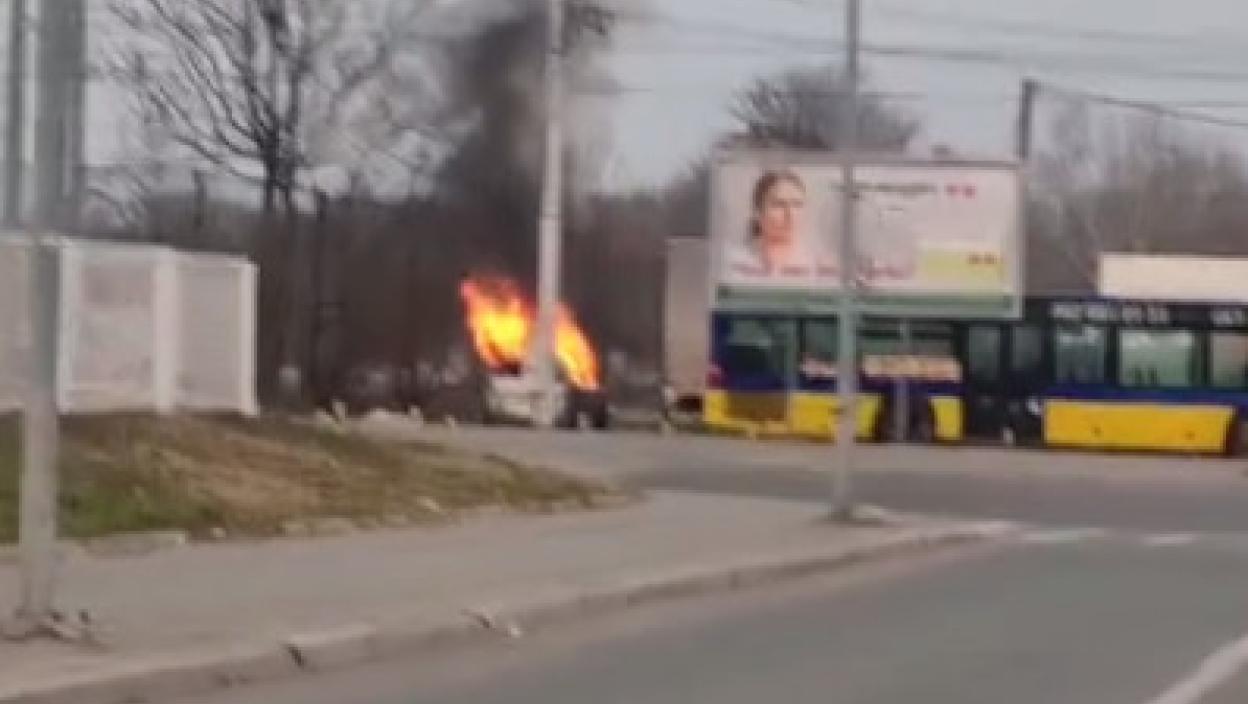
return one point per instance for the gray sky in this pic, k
(684, 69)
(679, 62)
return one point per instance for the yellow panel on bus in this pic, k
(752, 413)
(815, 415)
(949, 418)
(1136, 426)
(812, 415)
(806, 415)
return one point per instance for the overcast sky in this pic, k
(678, 63)
(678, 73)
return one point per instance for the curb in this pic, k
(116, 545)
(159, 678)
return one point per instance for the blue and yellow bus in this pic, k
(1069, 372)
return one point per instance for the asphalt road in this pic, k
(1154, 493)
(1099, 619)
(1056, 501)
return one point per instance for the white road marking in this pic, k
(1216, 670)
(1169, 541)
(1063, 537)
(997, 529)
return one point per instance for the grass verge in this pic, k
(251, 477)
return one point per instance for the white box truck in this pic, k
(1169, 277)
(686, 323)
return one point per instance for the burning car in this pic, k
(501, 323)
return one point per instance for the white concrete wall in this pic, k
(140, 328)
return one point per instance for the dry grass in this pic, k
(249, 477)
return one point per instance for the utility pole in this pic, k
(40, 423)
(15, 133)
(1026, 118)
(901, 392)
(847, 350)
(76, 98)
(550, 223)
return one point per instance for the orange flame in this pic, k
(502, 323)
(576, 353)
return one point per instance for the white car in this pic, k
(513, 397)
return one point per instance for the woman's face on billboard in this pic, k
(779, 213)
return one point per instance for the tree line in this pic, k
(368, 154)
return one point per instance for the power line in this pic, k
(755, 42)
(1149, 107)
(700, 90)
(1056, 30)
(1064, 62)
(1181, 109)
(720, 28)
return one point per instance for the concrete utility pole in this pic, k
(15, 132)
(75, 139)
(901, 391)
(847, 350)
(60, 35)
(550, 223)
(1026, 113)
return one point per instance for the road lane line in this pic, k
(1169, 541)
(1215, 671)
(1063, 537)
(997, 529)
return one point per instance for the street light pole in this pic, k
(847, 350)
(15, 134)
(59, 36)
(550, 223)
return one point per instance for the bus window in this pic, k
(757, 350)
(1079, 354)
(932, 346)
(879, 337)
(1228, 360)
(819, 344)
(1026, 352)
(984, 354)
(1158, 359)
(884, 338)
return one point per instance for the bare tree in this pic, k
(1130, 184)
(800, 108)
(272, 92)
(255, 87)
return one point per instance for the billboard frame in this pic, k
(805, 301)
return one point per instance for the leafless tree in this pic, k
(275, 92)
(801, 108)
(1129, 183)
(264, 88)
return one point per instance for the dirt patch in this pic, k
(253, 476)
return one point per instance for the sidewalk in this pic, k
(207, 615)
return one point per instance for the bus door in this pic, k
(1005, 382)
(984, 383)
(1025, 382)
(753, 367)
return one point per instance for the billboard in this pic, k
(934, 238)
